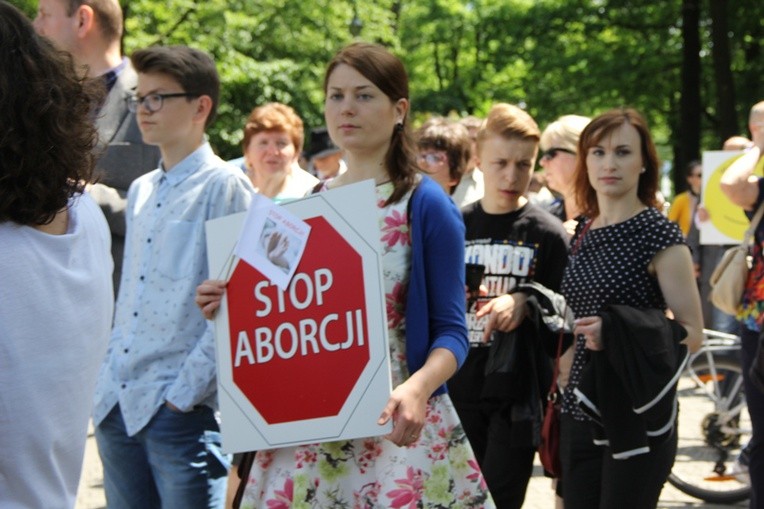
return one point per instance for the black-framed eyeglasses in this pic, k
(551, 153)
(152, 102)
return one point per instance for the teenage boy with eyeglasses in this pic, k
(154, 407)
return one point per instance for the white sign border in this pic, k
(351, 210)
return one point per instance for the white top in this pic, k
(299, 183)
(56, 306)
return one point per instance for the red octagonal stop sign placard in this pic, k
(316, 331)
(310, 363)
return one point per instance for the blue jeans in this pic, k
(173, 462)
(722, 322)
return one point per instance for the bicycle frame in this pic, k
(714, 343)
(715, 372)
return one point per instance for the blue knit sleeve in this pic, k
(443, 249)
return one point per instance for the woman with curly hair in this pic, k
(56, 291)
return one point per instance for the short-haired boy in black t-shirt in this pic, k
(517, 242)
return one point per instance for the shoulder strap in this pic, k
(317, 187)
(580, 238)
(748, 238)
(243, 470)
(552, 393)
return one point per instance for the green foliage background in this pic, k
(554, 57)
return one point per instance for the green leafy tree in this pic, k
(276, 52)
(693, 73)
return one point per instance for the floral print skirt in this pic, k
(437, 471)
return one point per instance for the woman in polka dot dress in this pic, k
(627, 254)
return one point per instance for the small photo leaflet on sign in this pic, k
(307, 362)
(272, 240)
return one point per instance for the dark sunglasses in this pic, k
(550, 154)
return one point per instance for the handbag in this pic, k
(730, 275)
(549, 446)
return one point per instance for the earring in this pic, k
(642, 170)
(399, 127)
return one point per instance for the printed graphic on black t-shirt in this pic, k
(507, 263)
(525, 245)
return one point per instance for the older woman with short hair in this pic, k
(273, 140)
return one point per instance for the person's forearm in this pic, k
(439, 367)
(738, 182)
(196, 378)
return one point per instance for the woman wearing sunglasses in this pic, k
(558, 158)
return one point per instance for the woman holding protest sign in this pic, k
(426, 459)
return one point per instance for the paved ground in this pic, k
(539, 495)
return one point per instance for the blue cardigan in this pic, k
(435, 309)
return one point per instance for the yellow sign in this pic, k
(727, 218)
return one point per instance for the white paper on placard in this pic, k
(272, 240)
(352, 214)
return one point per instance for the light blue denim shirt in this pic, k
(162, 348)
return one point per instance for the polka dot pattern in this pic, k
(610, 267)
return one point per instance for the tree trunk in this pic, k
(722, 63)
(689, 105)
(750, 87)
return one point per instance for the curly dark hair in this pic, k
(47, 137)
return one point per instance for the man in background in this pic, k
(325, 157)
(91, 31)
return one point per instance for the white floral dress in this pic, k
(439, 470)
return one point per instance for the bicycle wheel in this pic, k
(713, 426)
